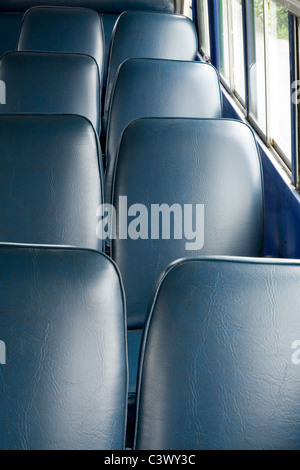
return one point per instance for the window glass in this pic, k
(203, 26)
(279, 77)
(256, 72)
(268, 62)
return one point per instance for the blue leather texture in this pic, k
(9, 31)
(50, 180)
(221, 170)
(139, 34)
(64, 384)
(51, 83)
(62, 29)
(185, 161)
(159, 88)
(103, 6)
(217, 362)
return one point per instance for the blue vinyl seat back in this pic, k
(11, 15)
(214, 163)
(50, 180)
(64, 382)
(51, 83)
(140, 34)
(159, 88)
(220, 366)
(63, 29)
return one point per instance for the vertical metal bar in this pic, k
(295, 110)
(267, 71)
(214, 32)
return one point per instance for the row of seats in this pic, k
(36, 80)
(36, 83)
(36, 77)
(80, 31)
(144, 88)
(51, 183)
(218, 369)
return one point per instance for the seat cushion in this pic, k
(64, 383)
(50, 180)
(220, 366)
(51, 83)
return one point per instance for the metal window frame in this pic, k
(229, 85)
(249, 56)
(267, 72)
(271, 141)
(295, 107)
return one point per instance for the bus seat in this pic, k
(10, 23)
(11, 15)
(63, 29)
(220, 348)
(212, 163)
(38, 82)
(140, 34)
(50, 180)
(159, 88)
(63, 386)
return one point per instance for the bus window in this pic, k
(224, 48)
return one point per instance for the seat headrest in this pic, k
(165, 36)
(62, 29)
(102, 6)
